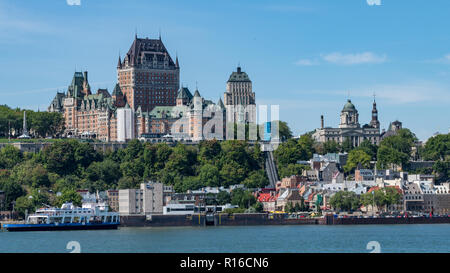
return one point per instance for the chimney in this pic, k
(85, 76)
(239, 69)
(321, 121)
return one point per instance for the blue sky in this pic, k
(306, 56)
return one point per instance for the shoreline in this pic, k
(257, 219)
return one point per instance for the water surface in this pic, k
(247, 239)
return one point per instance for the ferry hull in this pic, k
(51, 227)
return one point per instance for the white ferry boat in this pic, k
(69, 217)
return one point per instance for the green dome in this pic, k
(349, 106)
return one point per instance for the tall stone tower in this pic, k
(197, 117)
(240, 95)
(148, 76)
(374, 122)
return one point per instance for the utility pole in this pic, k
(373, 203)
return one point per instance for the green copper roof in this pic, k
(117, 91)
(239, 76)
(184, 93)
(162, 112)
(349, 106)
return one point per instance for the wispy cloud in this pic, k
(94, 85)
(442, 60)
(287, 8)
(409, 93)
(74, 2)
(344, 59)
(393, 93)
(373, 2)
(306, 62)
(351, 59)
(18, 21)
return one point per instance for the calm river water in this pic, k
(246, 239)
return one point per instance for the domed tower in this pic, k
(349, 116)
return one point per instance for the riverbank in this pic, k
(252, 219)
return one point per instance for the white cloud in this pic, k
(445, 59)
(374, 2)
(442, 60)
(306, 62)
(357, 58)
(393, 93)
(74, 2)
(416, 92)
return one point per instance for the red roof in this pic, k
(377, 188)
(266, 197)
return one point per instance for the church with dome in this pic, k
(350, 128)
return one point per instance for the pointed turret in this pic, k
(176, 62)
(119, 64)
(220, 104)
(197, 94)
(117, 91)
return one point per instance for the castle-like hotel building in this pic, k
(148, 100)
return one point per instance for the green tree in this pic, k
(346, 145)
(292, 169)
(396, 149)
(232, 173)
(442, 170)
(30, 174)
(10, 156)
(71, 182)
(223, 198)
(209, 175)
(59, 157)
(356, 157)
(69, 196)
(256, 179)
(345, 201)
(382, 198)
(289, 208)
(31, 202)
(331, 147)
(284, 131)
(243, 199)
(369, 148)
(126, 182)
(388, 157)
(47, 123)
(306, 143)
(12, 191)
(290, 152)
(108, 172)
(85, 154)
(209, 151)
(437, 147)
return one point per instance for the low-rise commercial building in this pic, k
(146, 200)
